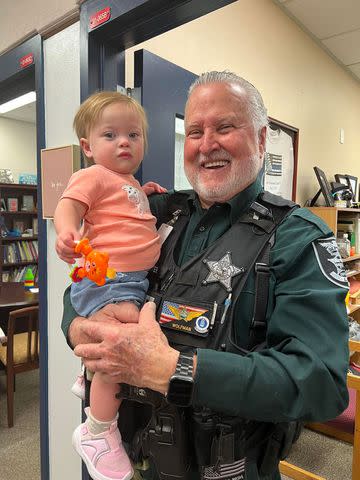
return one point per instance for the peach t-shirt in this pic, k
(118, 220)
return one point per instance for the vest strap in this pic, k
(262, 277)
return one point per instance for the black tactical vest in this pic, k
(195, 301)
(195, 310)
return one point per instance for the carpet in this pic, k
(20, 445)
(322, 455)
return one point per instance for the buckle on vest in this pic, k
(262, 268)
(164, 430)
(257, 324)
(259, 210)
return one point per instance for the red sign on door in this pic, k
(26, 60)
(100, 17)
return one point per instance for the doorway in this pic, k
(23, 236)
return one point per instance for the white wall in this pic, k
(62, 98)
(18, 146)
(21, 18)
(301, 85)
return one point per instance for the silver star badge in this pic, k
(222, 271)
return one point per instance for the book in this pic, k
(28, 203)
(12, 204)
(33, 251)
(22, 252)
(27, 251)
(35, 226)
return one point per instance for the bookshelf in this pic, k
(19, 228)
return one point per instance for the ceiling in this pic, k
(27, 113)
(333, 24)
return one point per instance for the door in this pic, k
(164, 88)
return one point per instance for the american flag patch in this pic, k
(173, 312)
(226, 471)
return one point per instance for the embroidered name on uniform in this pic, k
(186, 318)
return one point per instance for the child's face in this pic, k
(116, 141)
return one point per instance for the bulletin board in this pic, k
(57, 166)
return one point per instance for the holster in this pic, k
(217, 439)
(165, 438)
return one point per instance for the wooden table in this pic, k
(12, 297)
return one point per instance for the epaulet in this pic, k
(276, 200)
(313, 219)
(179, 201)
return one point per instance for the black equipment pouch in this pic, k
(166, 437)
(168, 442)
(278, 446)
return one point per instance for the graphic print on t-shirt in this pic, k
(279, 163)
(138, 197)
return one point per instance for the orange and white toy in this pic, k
(95, 266)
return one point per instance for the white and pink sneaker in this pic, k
(78, 388)
(103, 454)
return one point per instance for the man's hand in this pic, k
(133, 353)
(125, 312)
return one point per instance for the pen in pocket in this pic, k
(212, 321)
(227, 304)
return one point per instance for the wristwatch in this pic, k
(181, 383)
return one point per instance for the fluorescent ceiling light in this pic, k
(18, 102)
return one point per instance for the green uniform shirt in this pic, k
(302, 373)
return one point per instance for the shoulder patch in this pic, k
(329, 260)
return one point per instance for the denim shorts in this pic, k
(87, 297)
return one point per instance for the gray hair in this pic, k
(257, 109)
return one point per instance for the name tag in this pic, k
(164, 231)
(185, 318)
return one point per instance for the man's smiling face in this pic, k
(223, 152)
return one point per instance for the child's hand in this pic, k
(153, 187)
(65, 246)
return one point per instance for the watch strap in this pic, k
(185, 365)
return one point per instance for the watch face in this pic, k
(180, 391)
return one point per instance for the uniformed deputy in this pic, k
(249, 288)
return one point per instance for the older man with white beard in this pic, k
(246, 333)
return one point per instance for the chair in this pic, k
(20, 351)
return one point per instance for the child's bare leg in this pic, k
(126, 312)
(103, 403)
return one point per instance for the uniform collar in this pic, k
(237, 205)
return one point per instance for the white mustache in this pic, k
(213, 157)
